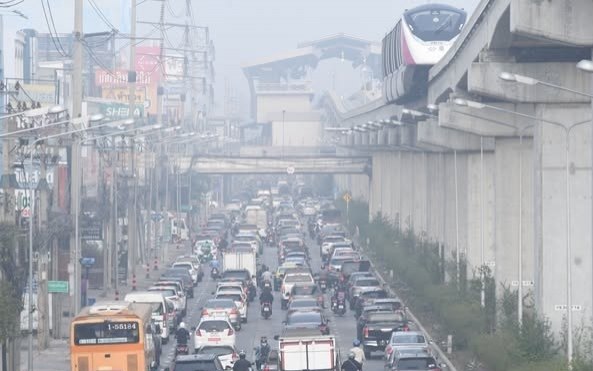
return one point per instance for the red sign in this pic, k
(147, 59)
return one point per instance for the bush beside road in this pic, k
(486, 338)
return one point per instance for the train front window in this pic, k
(435, 24)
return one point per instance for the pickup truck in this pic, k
(302, 350)
(375, 329)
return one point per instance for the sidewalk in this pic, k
(57, 356)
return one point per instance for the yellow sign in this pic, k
(120, 94)
(347, 197)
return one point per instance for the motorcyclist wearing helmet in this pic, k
(351, 364)
(266, 296)
(262, 352)
(182, 335)
(242, 364)
(358, 352)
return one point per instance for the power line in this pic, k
(102, 15)
(59, 50)
(51, 16)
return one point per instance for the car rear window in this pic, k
(385, 317)
(195, 365)
(167, 293)
(220, 303)
(233, 297)
(304, 318)
(367, 282)
(400, 338)
(303, 303)
(416, 363)
(298, 278)
(213, 325)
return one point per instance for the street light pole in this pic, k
(567, 131)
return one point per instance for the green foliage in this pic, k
(11, 284)
(491, 333)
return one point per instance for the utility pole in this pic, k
(77, 61)
(132, 224)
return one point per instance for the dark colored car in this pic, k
(308, 290)
(374, 329)
(193, 362)
(183, 273)
(366, 297)
(307, 320)
(410, 362)
(241, 275)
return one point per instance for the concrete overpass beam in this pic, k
(483, 80)
(429, 132)
(567, 22)
(485, 122)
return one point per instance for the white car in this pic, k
(214, 331)
(289, 281)
(227, 354)
(239, 299)
(406, 339)
(171, 293)
(230, 286)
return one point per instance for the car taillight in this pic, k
(234, 311)
(389, 349)
(231, 331)
(198, 332)
(204, 312)
(365, 331)
(282, 288)
(235, 357)
(266, 368)
(320, 299)
(406, 328)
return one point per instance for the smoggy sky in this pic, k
(242, 30)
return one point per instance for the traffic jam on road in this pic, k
(275, 282)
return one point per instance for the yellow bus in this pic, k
(114, 336)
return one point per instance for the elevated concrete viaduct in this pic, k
(486, 183)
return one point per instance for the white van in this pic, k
(179, 229)
(159, 314)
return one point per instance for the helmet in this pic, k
(356, 342)
(264, 340)
(351, 355)
(182, 325)
(242, 354)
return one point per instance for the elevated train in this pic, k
(419, 40)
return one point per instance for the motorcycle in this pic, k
(323, 284)
(339, 304)
(181, 349)
(251, 293)
(266, 310)
(214, 273)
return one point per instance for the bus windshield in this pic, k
(106, 332)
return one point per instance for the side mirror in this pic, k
(276, 337)
(193, 328)
(212, 293)
(284, 322)
(322, 266)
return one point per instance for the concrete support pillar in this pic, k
(550, 213)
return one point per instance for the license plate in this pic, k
(381, 342)
(213, 339)
(266, 309)
(340, 306)
(386, 329)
